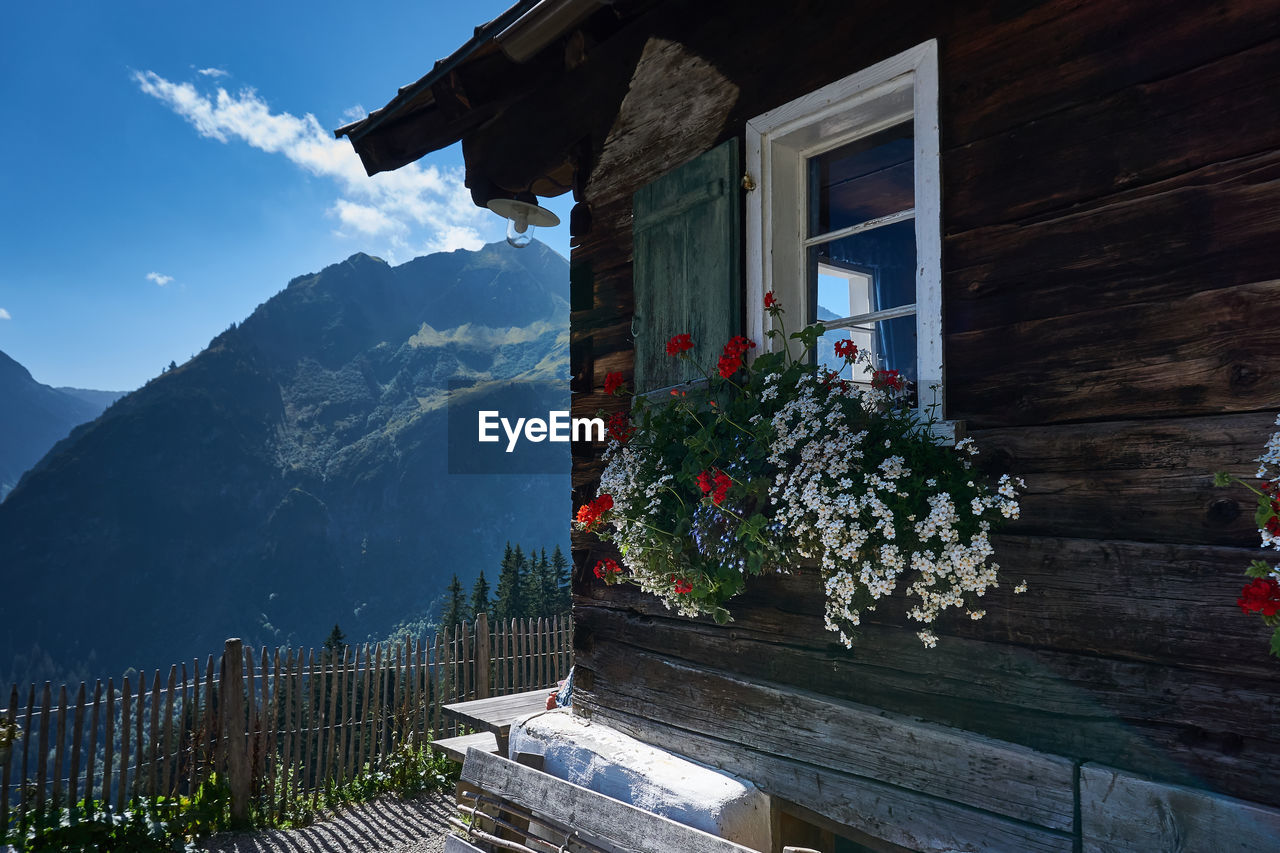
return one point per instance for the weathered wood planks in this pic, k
(1120, 812)
(1200, 230)
(1179, 724)
(899, 816)
(1142, 480)
(1154, 131)
(850, 738)
(1079, 600)
(1011, 65)
(1185, 356)
(623, 827)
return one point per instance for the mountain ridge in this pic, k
(36, 416)
(289, 476)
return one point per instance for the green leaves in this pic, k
(809, 335)
(1257, 569)
(1264, 513)
(694, 511)
(1259, 595)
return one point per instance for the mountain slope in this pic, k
(100, 399)
(293, 474)
(33, 417)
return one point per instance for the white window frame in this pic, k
(780, 142)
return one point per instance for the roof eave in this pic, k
(520, 32)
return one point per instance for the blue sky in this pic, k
(169, 166)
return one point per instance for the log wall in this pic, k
(1112, 312)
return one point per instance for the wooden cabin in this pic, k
(1088, 195)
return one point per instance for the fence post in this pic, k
(236, 741)
(482, 656)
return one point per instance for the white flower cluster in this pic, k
(635, 478)
(854, 506)
(853, 481)
(1269, 470)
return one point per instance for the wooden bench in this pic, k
(497, 713)
(456, 748)
(507, 806)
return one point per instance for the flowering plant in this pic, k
(767, 464)
(1262, 594)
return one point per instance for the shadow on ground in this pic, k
(386, 825)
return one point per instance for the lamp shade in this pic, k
(524, 218)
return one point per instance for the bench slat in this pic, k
(456, 747)
(623, 826)
(497, 713)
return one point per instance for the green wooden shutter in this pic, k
(686, 273)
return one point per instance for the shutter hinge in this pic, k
(748, 182)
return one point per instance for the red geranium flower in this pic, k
(771, 301)
(731, 360)
(683, 587)
(846, 349)
(612, 382)
(888, 380)
(1261, 595)
(620, 427)
(715, 483)
(722, 483)
(589, 513)
(607, 567)
(679, 344)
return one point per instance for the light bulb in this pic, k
(522, 218)
(519, 231)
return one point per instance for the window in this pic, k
(844, 226)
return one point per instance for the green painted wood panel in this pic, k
(687, 269)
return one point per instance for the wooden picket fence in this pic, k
(275, 725)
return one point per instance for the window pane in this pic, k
(843, 292)
(866, 179)
(892, 344)
(895, 346)
(863, 337)
(868, 271)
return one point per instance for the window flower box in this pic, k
(769, 464)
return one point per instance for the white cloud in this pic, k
(159, 278)
(365, 220)
(412, 210)
(213, 72)
(5, 315)
(354, 113)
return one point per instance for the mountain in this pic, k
(33, 417)
(100, 399)
(294, 474)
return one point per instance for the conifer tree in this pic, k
(563, 580)
(535, 600)
(455, 606)
(480, 596)
(511, 603)
(335, 643)
(549, 592)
